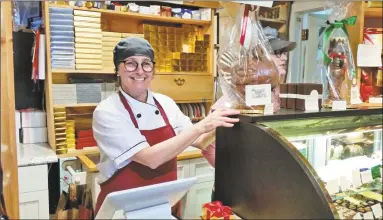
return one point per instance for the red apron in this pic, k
(135, 174)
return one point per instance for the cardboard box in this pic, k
(87, 19)
(304, 90)
(87, 46)
(87, 13)
(88, 40)
(33, 119)
(34, 135)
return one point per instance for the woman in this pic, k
(140, 133)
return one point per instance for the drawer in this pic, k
(184, 87)
(201, 169)
(33, 178)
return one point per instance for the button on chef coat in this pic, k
(117, 138)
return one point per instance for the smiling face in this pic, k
(136, 73)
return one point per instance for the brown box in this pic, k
(304, 90)
(283, 95)
(291, 95)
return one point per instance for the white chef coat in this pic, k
(117, 138)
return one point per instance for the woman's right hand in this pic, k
(219, 118)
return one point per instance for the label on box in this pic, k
(344, 183)
(269, 109)
(368, 215)
(377, 210)
(339, 105)
(311, 101)
(356, 181)
(355, 97)
(332, 186)
(366, 176)
(258, 94)
(357, 216)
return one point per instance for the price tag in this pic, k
(332, 186)
(368, 215)
(339, 105)
(356, 181)
(258, 94)
(269, 109)
(311, 101)
(357, 216)
(344, 183)
(377, 210)
(355, 96)
(366, 176)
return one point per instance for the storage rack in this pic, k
(180, 86)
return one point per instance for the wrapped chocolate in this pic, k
(247, 75)
(337, 63)
(215, 210)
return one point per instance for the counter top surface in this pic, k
(34, 154)
(286, 114)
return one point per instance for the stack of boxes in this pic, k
(294, 95)
(62, 38)
(64, 131)
(88, 39)
(31, 127)
(109, 41)
(67, 94)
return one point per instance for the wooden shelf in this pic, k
(83, 71)
(373, 12)
(184, 73)
(138, 16)
(75, 105)
(75, 153)
(272, 20)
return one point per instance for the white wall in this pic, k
(297, 10)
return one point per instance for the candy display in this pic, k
(337, 62)
(216, 210)
(247, 74)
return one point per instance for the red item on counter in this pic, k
(85, 133)
(217, 210)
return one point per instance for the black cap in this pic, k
(284, 45)
(132, 46)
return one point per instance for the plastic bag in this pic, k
(336, 62)
(248, 77)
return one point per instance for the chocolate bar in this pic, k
(304, 90)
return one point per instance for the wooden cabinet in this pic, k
(33, 192)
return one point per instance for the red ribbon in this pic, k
(245, 19)
(333, 55)
(368, 31)
(216, 209)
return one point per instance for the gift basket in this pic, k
(337, 63)
(248, 76)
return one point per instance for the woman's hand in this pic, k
(219, 118)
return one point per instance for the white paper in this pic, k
(332, 186)
(41, 70)
(356, 181)
(369, 56)
(269, 109)
(355, 96)
(344, 183)
(267, 4)
(366, 176)
(339, 105)
(311, 101)
(258, 94)
(368, 215)
(357, 216)
(377, 210)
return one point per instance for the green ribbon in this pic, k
(337, 24)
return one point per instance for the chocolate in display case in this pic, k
(294, 165)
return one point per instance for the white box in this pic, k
(205, 14)
(17, 125)
(33, 119)
(34, 135)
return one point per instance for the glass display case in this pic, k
(325, 164)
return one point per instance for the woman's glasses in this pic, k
(130, 65)
(279, 53)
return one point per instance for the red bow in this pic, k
(217, 210)
(368, 31)
(334, 54)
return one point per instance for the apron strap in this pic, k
(127, 107)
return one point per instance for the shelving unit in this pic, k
(180, 86)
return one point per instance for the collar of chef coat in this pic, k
(146, 113)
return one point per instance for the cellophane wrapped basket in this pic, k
(248, 76)
(336, 62)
